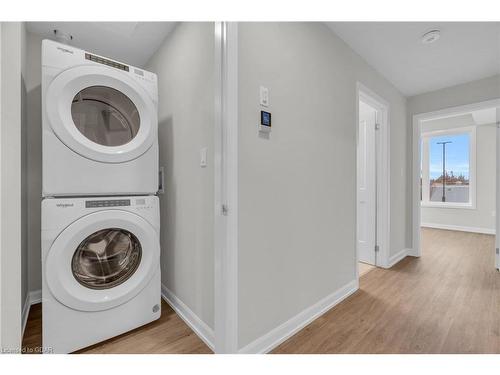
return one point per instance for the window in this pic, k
(448, 168)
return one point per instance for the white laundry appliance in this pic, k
(100, 268)
(100, 125)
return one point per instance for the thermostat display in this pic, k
(265, 122)
(265, 118)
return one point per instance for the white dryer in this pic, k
(100, 269)
(100, 125)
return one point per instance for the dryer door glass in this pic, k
(105, 116)
(106, 258)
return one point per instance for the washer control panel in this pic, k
(107, 203)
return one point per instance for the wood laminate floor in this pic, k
(447, 301)
(364, 268)
(169, 334)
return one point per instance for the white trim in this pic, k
(451, 205)
(417, 119)
(497, 224)
(2, 293)
(424, 136)
(35, 297)
(272, 339)
(32, 298)
(459, 228)
(11, 230)
(226, 188)
(202, 330)
(383, 170)
(25, 313)
(399, 256)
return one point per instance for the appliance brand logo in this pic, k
(64, 205)
(65, 50)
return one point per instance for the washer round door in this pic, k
(102, 260)
(102, 114)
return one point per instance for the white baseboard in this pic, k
(412, 253)
(32, 298)
(400, 255)
(199, 327)
(35, 297)
(272, 339)
(459, 228)
(25, 313)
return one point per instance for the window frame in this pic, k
(425, 166)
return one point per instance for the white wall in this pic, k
(297, 188)
(11, 184)
(467, 93)
(472, 92)
(34, 158)
(185, 67)
(482, 217)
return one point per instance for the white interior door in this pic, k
(366, 174)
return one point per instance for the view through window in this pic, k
(446, 167)
(449, 164)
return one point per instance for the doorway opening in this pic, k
(372, 203)
(456, 187)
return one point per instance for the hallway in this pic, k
(448, 301)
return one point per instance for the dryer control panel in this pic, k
(102, 60)
(107, 203)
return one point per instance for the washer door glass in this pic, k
(105, 116)
(106, 258)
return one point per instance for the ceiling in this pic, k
(130, 42)
(466, 51)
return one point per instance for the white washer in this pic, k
(100, 268)
(100, 125)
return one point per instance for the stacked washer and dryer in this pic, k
(100, 214)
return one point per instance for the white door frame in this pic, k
(497, 224)
(226, 187)
(417, 154)
(10, 187)
(382, 138)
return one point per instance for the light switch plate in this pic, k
(203, 157)
(264, 96)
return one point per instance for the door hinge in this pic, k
(224, 209)
(377, 248)
(497, 251)
(377, 126)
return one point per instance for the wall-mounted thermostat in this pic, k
(265, 121)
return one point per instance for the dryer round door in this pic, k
(101, 114)
(102, 260)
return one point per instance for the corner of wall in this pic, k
(278, 335)
(202, 330)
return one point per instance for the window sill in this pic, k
(463, 206)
